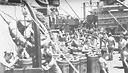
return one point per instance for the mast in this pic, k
(37, 50)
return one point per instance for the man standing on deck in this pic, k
(125, 58)
(111, 46)
(122, 43)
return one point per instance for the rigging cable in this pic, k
(116, 20)
(72, 9)
(122, 4)
(64, 11)
(8, 15)
(16, 25)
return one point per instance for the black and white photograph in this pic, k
(63, 36)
